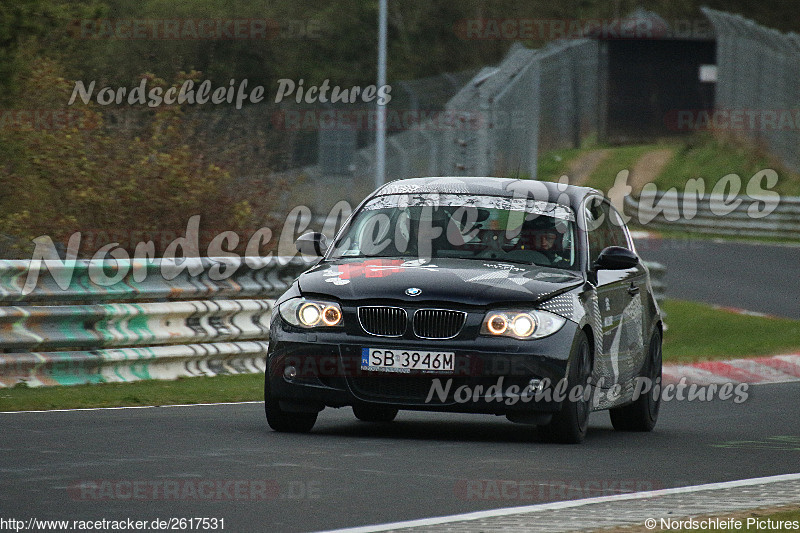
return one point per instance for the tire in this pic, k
(286, 421)
(642, 414)
(368, 413)
(569, 425)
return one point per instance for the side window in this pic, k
(620, 238)
(596, 237)
(604, 228)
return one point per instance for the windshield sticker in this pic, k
(435, 199)
(450, 185)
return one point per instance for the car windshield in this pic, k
(428, 226)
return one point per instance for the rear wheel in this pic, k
(569, 425)
(642, 414)
(370, 413)
(286, 421)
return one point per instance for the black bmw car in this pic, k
(518, 298)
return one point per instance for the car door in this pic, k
(619, 297)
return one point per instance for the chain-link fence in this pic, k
(409, 149)
(757, 76)
(499, 121)
(493, 123)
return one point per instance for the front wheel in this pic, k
(569, 425)
(642, 414)
(286, 421)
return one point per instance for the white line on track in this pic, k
(129, 407)
(494, 513)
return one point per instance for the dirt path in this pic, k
(581, 168)
(647, 168)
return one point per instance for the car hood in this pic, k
(463, 281)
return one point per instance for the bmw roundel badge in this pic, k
(413, 291)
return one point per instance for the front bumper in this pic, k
(490, 374)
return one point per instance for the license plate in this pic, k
(392, 360)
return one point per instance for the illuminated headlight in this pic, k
(311, 313)
(533, 324)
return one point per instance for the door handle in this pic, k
(633, 290)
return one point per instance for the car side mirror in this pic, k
(616, 258)
(312, 243)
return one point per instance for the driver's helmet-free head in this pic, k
(545, 239)
(543, 235)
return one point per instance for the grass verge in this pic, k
(697, 156)
(238, 388)
(553, 165)
(705, 156)
(696, 332)
(699, 332)
(619, 158)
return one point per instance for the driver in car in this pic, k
(546, 240)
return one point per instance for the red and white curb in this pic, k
(740, 311)
(777, 369)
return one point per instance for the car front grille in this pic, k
(438, 323)
(382, 320)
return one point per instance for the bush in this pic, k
(75, 169)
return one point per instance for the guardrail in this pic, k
(92, 322)
(712, 215)
(96, 322)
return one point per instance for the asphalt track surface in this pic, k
(350, 473)
(756, 277)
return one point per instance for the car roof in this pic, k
(558, 193)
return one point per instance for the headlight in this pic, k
(531, 324)
(311, 313)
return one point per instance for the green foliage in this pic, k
(85, 175)
(145, 170)
(44, 24)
